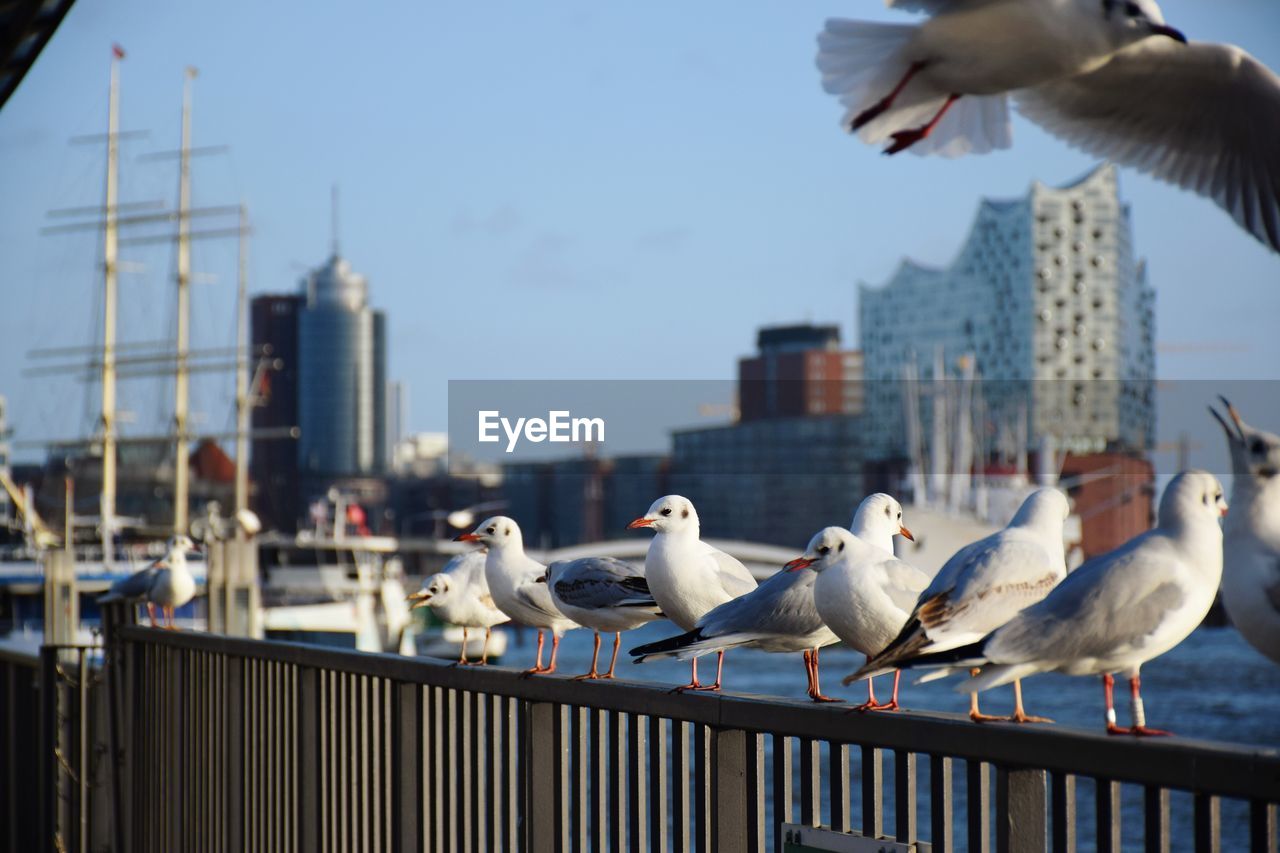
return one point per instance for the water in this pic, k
(1213, 686)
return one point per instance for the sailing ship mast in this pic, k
(181, 395)
(107, 506)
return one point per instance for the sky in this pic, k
(568, 190)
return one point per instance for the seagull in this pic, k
(1251, 567)
(1108, 77)
(863, 592)
(982, 587)
(603, 594)
(515, 583)
(460, 596)
(166, 582)
(688, 577)
(777, 616)
(1120, 609)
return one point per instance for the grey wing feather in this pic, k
(137, 585)
(1106, 606)
(906, 582)
(933, 7)
(599, 582)
(734, 577)
(781, 605)
(1203, 116)
(537, 595)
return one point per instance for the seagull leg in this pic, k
(1108, 684)
(591, 674)
(1139, 728)
(151, 612)
(537, 667)
(555, 647)
(904, 139)
(613, 661)
(808, 669)
(815, 689)
(884, 103)
(871, 704)
(462, 658)
(1020, 715)
(976, 715)
(484, 651)
(693, 682)
(892, 704)
(168, 617)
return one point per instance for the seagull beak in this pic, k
(1162, 30)
(799, 563)
(1224, 510)
(466, 537)
(1235, 416)
(903, 531)
(419, 599)
(640, 522)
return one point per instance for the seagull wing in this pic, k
(781, 606)
(1203, 116)
(534, 594)
(593, 583)
(137, 585)
(905, 583)
(733, 576)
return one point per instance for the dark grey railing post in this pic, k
(234, 746)
(308, 747)
(729, 823)
(48, 781)
(1021, 813)
(541, 768)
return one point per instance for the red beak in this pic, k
(640, 522)
(466, 537)
(902, 530)
(799, 563)
(1224, 512)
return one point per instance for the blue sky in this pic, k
(550, 190)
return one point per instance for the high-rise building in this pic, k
(6, 509)
(341, 375)
(331, 385)
(799, 370)
(273, 462)
(1047, 297)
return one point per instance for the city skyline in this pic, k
(568, 184)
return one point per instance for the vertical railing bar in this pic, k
(453, 758)
(512, 753)
(1021, 810)
(441, 783)
(755, 782)
(494, 744)
(599, 779)
(702, 778)
(1063, 794)
(233, 746)
(681, 762)
(480, 801)
(978, 805)
(838, 783)
(1207, 816)
(905, 785)
(1155, 819)
(562, 764)
(1262, 826)
(467, 767)
(311, 759)
(872, 792)
(637, 782)
(1107, 796)
(941, 822)
(368, 765)
(810, 782)
(783, 795)
(617, 781)
(659, 784)
(579, 805)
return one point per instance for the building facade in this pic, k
(1047, 298)
(799, 370)
(273, 462)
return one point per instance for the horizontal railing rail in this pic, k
(1204, 766)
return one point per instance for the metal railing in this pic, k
(232, 744)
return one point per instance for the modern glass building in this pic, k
(1048, 298)
(341, 376)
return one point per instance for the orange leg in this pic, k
(462, 658)
(613, 661)
(887, 101)
(537, 667)
(815, 688)
(591, 674)
(151, 612)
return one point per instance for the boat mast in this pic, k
(107, 506)
(243, 406)
(181, 463)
